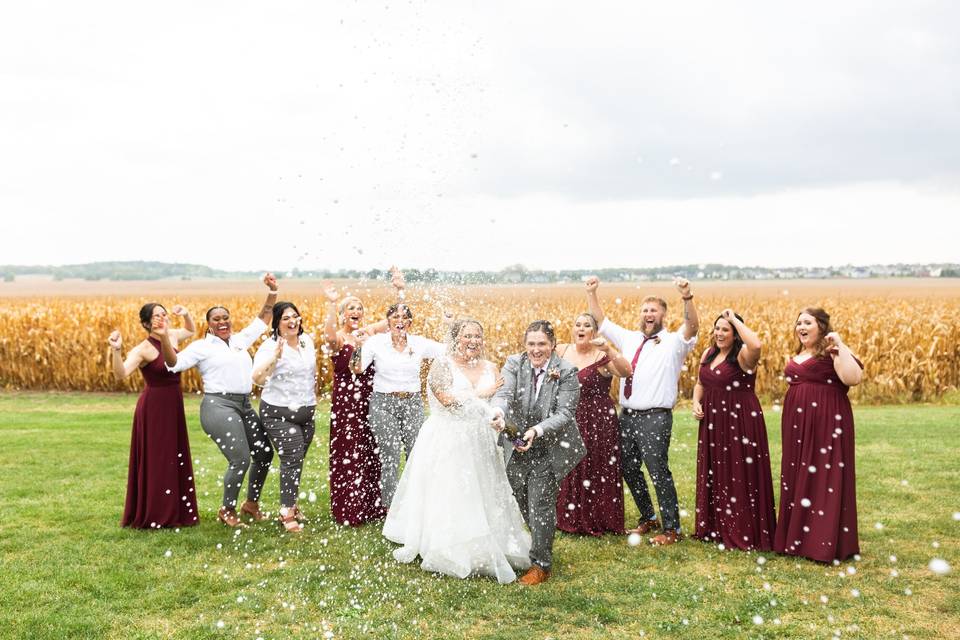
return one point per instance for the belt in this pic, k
(631, 412)
(229, 396)
(403, 395)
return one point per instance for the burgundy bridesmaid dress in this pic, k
(818, 495)
(160, 490)
(354, 463)
(591, 496)
(734, 486)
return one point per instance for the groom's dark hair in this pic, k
(541, 325)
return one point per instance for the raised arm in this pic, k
(691, 321)
(189, 327)
(844, 362)
(618, 365)
(399, 286)
(166, 346)
(266, 312)
(331, 337)
(749, 355)
(593, 301)
(122, 368)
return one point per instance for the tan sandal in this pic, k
(229, 517)
(252, 509)
(288, 518)
(302, 519)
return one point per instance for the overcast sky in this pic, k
(465, 135)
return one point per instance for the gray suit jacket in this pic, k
(554, 410)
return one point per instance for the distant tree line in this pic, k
(517, 273)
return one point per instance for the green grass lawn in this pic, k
(69, 570)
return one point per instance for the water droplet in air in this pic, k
(939, 566)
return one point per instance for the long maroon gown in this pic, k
(734, 487)
(354, 463)
(160, 490)
(594, 487)
(818, 494)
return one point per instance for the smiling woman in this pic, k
(160, 488)
(226, 414)
(396, 407)
(818, 493)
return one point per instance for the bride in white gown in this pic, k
(454, 507)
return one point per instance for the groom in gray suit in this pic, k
(539, 399)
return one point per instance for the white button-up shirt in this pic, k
(398, 371)
(657, 371)
(224, 368)
(294, 379)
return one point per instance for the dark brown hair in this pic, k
(545, 327)
(146, 315)
(400, 308)
(823, 324)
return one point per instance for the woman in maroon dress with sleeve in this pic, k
(734, 487)
(818, 496)
(354, 463)
(160, 490)
(590, 500)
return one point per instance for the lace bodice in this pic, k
(447, 378)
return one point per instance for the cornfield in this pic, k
(906, 333)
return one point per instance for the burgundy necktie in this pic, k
(628, 383)
(536, 377)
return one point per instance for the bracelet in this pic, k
(686, 298)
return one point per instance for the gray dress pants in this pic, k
(535, 486)
(645, 441)
(231, 422)
(291, 432)
(395, 422)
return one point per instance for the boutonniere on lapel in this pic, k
(656, 340)
(410, 351)
(303, 343)
(554, 373)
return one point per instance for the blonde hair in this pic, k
(659, 301)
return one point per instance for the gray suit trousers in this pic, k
(535, 486)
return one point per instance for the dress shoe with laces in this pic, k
(535, 575)
(666, 538)
(645, 527)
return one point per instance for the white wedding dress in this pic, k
(454, 506)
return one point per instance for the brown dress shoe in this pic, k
(645, 527)
(229, 517)
(535, 575)
(665, 538)
(252, 509)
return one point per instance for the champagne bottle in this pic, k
(514, 436)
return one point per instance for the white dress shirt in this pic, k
(398, 371)
(657, 371)
(294, 378)
(224, 368)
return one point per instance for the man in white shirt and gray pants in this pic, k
(646, 400)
